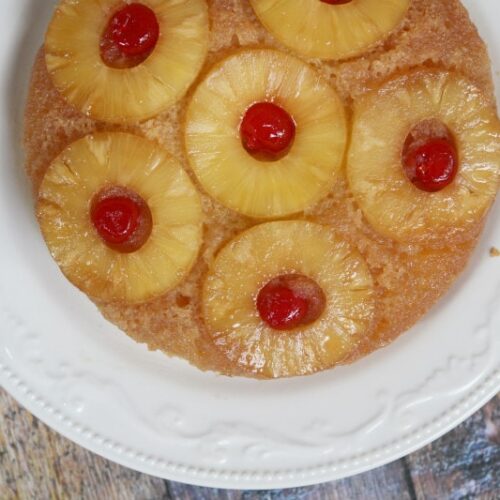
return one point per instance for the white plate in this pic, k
(88, 381)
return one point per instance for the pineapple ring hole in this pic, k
(130, 36)
(429, 156)
(289, 301)
(140, 223)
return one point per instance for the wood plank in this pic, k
(389, 482)
(36, 463)
(33, 459)
(463, 464)
(181, 491)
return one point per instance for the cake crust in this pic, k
(409, 278)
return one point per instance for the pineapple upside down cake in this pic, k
(266, 188)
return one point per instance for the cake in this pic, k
(262, 252)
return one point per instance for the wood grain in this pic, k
(464, 463)
(36, 463)
(384, 483)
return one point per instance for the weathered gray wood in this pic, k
(36, 463)
(463, 464)
(388, 483)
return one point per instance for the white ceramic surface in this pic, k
(88, 381)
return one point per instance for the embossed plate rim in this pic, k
(226, 478)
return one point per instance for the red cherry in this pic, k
(433, 165)
(336, 2)
(134, 30)
(116, 219)
(280, 308)
(267, 131)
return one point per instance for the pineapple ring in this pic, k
(315, 29)
(263, 252)
(213, 143)
(63, 210)
(73, 58)
(382, 120)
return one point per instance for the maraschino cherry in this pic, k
(267, 131)
(130, 36)
(336, 2)
(115, 218)
(280, 308)
(289, 301)
(122, 220)
(431, 166)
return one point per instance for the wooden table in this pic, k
(38, 464)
